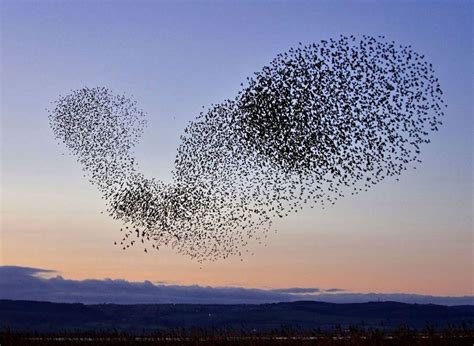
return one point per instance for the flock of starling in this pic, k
(319, 122)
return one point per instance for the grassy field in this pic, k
(401, 336)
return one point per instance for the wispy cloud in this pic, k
(23, 283)
(297, 290)
(332, 290)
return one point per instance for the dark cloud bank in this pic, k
(22, 283)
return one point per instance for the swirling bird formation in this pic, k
(319, 122)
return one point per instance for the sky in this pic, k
(409, 236)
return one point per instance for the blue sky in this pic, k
(414, 235)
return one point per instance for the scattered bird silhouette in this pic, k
(320, 122)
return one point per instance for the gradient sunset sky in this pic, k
(413, 236)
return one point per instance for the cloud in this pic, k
(297, 290)
(331, 290)
(28, 283)
(22, 283)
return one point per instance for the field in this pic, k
(298, 323)
(400, 336)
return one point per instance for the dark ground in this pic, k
(298, 323)
(303, 316)
(399, 337)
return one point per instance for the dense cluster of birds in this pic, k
(319, 122)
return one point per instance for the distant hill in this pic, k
(32, 316)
